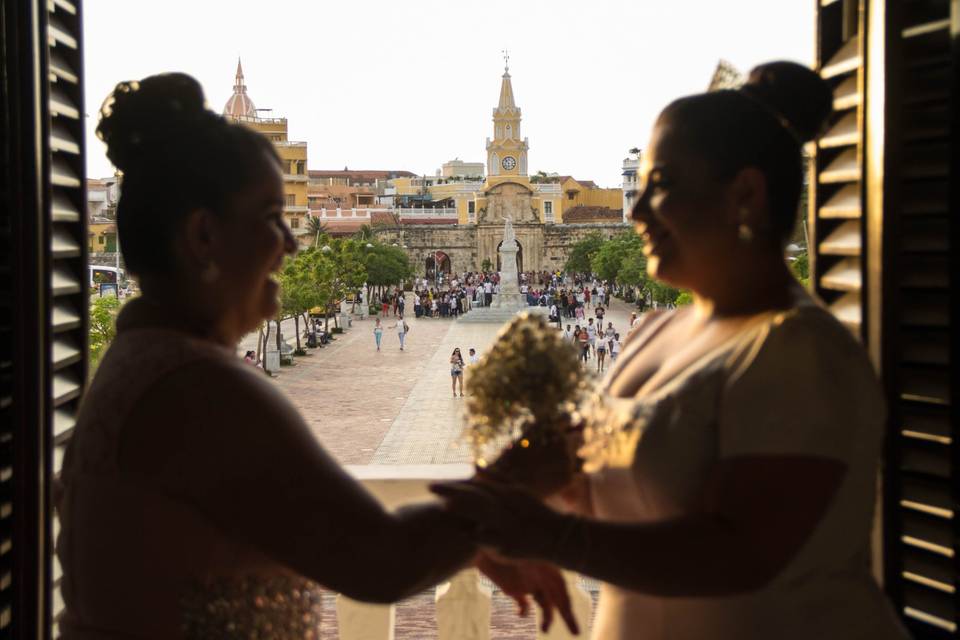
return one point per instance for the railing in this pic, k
(463, 605)
(400, 212)
(295, 208)
(547, 187)
(290, 144)
(295, 177)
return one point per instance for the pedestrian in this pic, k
(584, 340)
(378, 332)
(250, 358)
(384, 306)
(615, 347)
(601, 354)
(592, 335)
(599, 312)
(578, 314)
(402, 329)
(473, 358)
(568, 334)
(633, 319)
(456, 371)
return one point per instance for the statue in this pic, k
(509, 238)
(364, 305)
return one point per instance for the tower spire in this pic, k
(238, 82)
(506, 86)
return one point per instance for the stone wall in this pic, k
(544, 246)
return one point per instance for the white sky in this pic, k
(387, 84)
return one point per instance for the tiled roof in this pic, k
(583, 214)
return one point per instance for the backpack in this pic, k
(406, 328)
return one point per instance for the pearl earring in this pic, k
(211, 273)
(744, 232)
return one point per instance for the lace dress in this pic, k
(140, 564)
(794, 383)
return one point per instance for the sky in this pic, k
(387, 84)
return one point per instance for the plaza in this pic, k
(392, 407)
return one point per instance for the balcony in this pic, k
(295, 177)
(402, 213)
(295, 208)
(547, 187)
(461, 607)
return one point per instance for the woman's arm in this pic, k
(758, 512)
(231, 446)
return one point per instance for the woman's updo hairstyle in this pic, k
(763, 124)
(176, 156)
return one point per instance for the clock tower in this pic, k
(507, 152)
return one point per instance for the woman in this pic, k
(731, 492)
(456, 371)
(195, 502)
(601, 352)
(584, 341)
(377, 332)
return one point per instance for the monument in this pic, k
(509, 301)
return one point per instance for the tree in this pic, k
(661, 293)
(386, 265)
(298, 293)
(608, 260)
(103, 314)
(316, 227)
(364, 233)
(800, 265)
(582, 253)
(486, 265)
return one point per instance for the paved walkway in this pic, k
(392, 406)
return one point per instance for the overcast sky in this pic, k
(387, 84)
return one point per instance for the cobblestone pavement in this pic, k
(392, 406)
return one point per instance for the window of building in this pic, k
(571, 195)
(289, 199)
(548, 208)
(100, 240)
(471, 207)
(294, 223)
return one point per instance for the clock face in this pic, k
(509, 163)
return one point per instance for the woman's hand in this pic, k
(543, 466)
(511, 520)
(518, 578)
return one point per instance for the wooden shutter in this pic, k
(44, 342)
(836, 221)
(885, 181)
(919, 344)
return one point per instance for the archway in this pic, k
(519, 256)
(437, 263)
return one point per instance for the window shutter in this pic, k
(884, 247)
(920, 342)
(836, 221)
(43, 330)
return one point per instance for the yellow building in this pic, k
(101, 235)
(293, 155)
(585, 193)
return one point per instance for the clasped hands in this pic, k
(517, 533)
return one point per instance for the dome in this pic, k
(239, 105)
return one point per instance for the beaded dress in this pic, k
(141, 564)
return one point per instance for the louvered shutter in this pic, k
(43, 357)
(884, 251)
(835, 226)
(66, 208)
(920, 333)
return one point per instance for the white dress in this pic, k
(795, 383)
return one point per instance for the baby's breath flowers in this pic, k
(523, 392)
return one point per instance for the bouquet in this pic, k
(521, 404)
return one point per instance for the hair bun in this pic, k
(795, 92)
(137, 115)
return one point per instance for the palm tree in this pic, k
(364, 233)
(316, 227)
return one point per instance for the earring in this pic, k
(211, 273)
(744, 232)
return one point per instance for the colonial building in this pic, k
(293, 155)
(458, 224)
